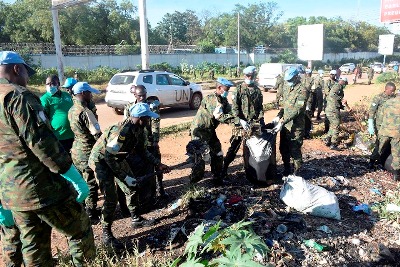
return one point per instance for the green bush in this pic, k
(127, 49)
(388, 77)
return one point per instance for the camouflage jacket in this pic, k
(375, 110)
(334, 99)
(294, 103)
(391, 118)
(31, 158)
(117, 142)
(308, 83)
(86, 130)
(370, 73)
(328, 86)
(247, 103)
(152, 130)
(204, 118)
(279, 82)
(319, 82)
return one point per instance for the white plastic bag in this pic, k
(308, 198)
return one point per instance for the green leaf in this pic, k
(195, 239)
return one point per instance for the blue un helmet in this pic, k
(291, 73)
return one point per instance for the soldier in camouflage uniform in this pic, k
(328, 86)
(213, 110)
(308, 82)
(108, 159)
(86, 129)
(279, 88)
(318, 97)
(333, 106)
(11, 243)
(291, 128)
(247, 107)
(38, 174)
(389, 132)
(375, 119)
(370, 74)
(152, 130)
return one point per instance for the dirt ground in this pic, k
(354, 241)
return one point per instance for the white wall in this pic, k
(131, 61)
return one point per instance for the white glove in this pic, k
(245, 125)
(218, 111)
(307, 108)
(276, 120)
(130, 181)
(277, 127)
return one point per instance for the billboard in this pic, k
(310, 42)
(386, 42)
(390, 10)
(66, 3)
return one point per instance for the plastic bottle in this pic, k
(363, 207)
(175, 205)
(312, 244)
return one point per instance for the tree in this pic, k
(4, 9)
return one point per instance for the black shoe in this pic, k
(307, 136)
(396, 175)
(138, 221)
(108, 239)
(327, 141)
(124, 211)
(93, 214)
(371, 164)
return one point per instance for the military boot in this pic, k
(138, 221)
(287, 169)
(396, 175)
(297, 166)
(371, 164)
(160, 188)
(334, 146)
(108, 238)
(327, 141)
(93, 215)
(318, 116)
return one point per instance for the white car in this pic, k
(378, 67)
(166, 87)
(348, 67)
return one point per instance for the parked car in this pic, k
(378, 67)
(347, 68)
(166, 87)
(269, 71)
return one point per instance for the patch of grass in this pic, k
(193, 192)
(175, 129)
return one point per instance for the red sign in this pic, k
(390, 10)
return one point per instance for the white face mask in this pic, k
(249, 81)
(52, 89)
(224, 94)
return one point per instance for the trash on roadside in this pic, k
(172, 234)
(315, 200)
(214, 211)
(392, 207)
(342, 180)
(234, 200)
(363, 208)
(376, 191)
(281, 229)
(175, 205)
(312, 244)
(363, 142)
(221, 199)
(325, 229)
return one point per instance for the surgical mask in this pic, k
(249, 81)
(52, 89)
(224, 94)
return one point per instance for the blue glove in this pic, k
(6, 218)
(73, 176)
(371, 128)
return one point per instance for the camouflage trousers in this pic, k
(105, 176)
(235, 141)
(155, 151)
(209, 137)
(88, 175)
(318, 101)
(332, 123)
(12, 246)
(291, 141)
(69, 218)
(278, 95)
(384, 142)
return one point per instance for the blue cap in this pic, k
(224, 82)
(142, 110)
(81, 87)
(249, 70)
(290, 73)
(11, 57)
(69, 82)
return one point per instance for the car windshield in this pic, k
(122, 79)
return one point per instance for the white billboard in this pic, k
(310, 42)
(66, 3)
(386, 43)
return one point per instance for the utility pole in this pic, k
(57, 44)
(238, 43)
(143, 34)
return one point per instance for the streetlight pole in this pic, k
(143, 34)
(238, 43)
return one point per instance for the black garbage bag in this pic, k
(259, 154)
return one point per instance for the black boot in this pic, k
(138, 221)
(334, 146)
(327, 141)
(93, 215)
(287, 169)
(108, 238)
(396, 175)
(160, 188)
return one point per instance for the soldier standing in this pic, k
(86, 130)
(213, 110)
(328, 86)
(370, 74)
(247, 107)
(389, 133)
(318, 97)
(291, 128)
(38, 173)
(108, 159)
(376, 113)
(308, 82)
(279, 88)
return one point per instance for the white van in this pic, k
(269, 71)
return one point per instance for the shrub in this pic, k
(388, 77)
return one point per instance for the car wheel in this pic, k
(195, 101)
(119, 111)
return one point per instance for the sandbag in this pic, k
(308, 198)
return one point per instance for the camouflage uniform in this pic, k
(86, 130)
(370, 74)
(30, 185)
(279, 87)
(108, 158)
(308, 83)
(203, 128)
(291, 135)
(327, 88)
(318, 98)
(376, 112)
(332, 111)
(389, 131)
(247, 104)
